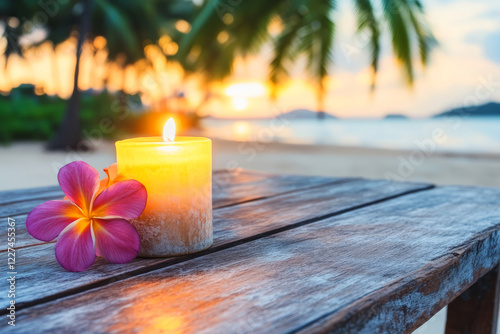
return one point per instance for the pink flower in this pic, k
(92, 220)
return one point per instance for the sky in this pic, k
(463, 70)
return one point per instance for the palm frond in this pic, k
(117, 26)
(425, 39)
(316, 39)
(309, 31)
(394, 13)
(206, 18)
(247, 32)
(284, 50)
(368, 22)
(326, 40)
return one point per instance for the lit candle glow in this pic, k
(177, 173)
(169, 130)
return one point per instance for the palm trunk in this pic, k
(320, 114)
(8, 80)
(55, 73)
(68, 134)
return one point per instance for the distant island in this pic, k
(491, 109)
(484, 110)
(396, 116)
(305, 114)
(290, 115)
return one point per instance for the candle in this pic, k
(177, 173)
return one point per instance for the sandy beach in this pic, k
(27, 164)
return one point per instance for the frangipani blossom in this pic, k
(93, 220)
(112, 177)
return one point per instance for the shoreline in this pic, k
(362, 149)
(28, 165)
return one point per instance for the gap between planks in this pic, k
(216, 207)
(9, 197)
(37, 198)
(176, 260)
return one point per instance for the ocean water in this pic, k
(455, 135)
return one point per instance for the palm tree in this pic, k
(308, 30)
(127, 25)
(68, 134)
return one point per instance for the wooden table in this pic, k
(290, 254)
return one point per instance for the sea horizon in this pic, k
(451, 134)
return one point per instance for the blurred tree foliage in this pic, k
(305, 27)
(127, 25)
(26, 116)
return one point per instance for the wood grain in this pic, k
(229, 188)
(475, 311)
(221, 180)
(42, 278)
(20, 208)
(18, 195)
(385, 268)
(21, 201)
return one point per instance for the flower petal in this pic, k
(125, 199)
(112, 172)
(112, 177)
(103, 184)
(79, 181)
(75, 247)
(46, 221)
(116, 240)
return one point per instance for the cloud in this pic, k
(492, 46)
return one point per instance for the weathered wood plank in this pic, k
(35, 196)
(385, 268)
(221, 178)
(228, 189)
(475, 311)
(18, 195)
(24, 207)
(23, 238)
(17, 202)
(43, 279)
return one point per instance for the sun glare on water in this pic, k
(241, 131)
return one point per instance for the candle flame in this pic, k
(169, 130)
